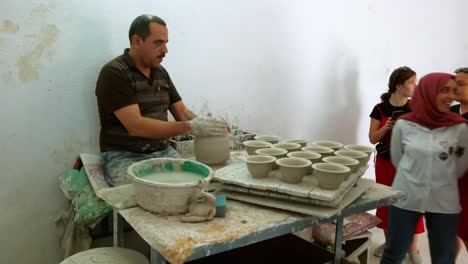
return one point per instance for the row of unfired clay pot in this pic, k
(331, 164)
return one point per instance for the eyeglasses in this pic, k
(463, 69)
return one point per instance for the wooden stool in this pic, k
(110, 255)
(357, 248)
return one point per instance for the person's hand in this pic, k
(208, 126)
(389, 124)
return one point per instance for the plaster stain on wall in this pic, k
(29, 63)
(39, 12)
(9, 26)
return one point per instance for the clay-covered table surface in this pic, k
(243, 224)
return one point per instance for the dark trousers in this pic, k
(441, 228)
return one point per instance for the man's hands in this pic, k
(208, 126)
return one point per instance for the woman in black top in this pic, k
(394, 103)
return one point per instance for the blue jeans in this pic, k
(116, 163)
(441, 229)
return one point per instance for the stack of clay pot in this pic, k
(330, 162)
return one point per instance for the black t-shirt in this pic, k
(456, 109)
(387, 109)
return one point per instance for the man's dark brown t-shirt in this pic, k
(121, 84)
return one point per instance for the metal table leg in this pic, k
(338, 239)
(157, 258)
(118, 229)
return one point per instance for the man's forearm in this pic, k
(187, 115)
(153, 128)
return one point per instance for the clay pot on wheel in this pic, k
(211, 150)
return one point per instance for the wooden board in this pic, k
(93, 167)
(120, 197)
(308, 209)
(335, 203)
(237, 174)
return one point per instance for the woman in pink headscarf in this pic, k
(428, 149)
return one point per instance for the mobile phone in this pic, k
(396, 114)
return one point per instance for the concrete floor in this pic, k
(378, 239)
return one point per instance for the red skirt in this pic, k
(384, 174)
(463, 222)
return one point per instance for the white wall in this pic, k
(296, 68)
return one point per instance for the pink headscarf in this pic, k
(423, 103)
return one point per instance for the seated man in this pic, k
(134, 93)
